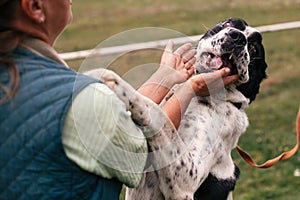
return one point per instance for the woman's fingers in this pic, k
(208, 83)
(190, 55)
(190, 63)
(183, 49)
(230, 79)
(169, 47)
(226, 78)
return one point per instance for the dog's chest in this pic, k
(206, 125)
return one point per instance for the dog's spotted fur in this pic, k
(198, 164)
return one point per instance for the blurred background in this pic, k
(272, 116)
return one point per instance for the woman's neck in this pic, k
(41, 48)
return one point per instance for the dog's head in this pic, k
(234, 44)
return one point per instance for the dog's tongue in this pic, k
(216, 63)
(219, 62)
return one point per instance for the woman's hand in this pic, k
(199, 85)
(178, 65)
(175, 67)
(208, 83)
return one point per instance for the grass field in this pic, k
(272, 115)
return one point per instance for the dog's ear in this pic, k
(257, 67)
(237, 23)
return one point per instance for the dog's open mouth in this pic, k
(210, 62)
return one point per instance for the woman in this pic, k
(42, 154)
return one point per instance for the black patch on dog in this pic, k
(257, 67)
(233, 22)
(216, 189)
(237, 105)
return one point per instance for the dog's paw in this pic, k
(109, 77)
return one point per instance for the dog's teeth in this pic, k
(230, 56)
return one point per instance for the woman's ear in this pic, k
(34, 10)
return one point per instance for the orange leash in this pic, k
(284, 156)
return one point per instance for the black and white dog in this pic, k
(234, 44)
(201, 166)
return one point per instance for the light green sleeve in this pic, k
(100, 136)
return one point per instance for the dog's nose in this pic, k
(237, 37)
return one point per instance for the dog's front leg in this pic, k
(163, 139)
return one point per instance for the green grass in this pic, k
(272, 115)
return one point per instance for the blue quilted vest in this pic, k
(33, 164)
